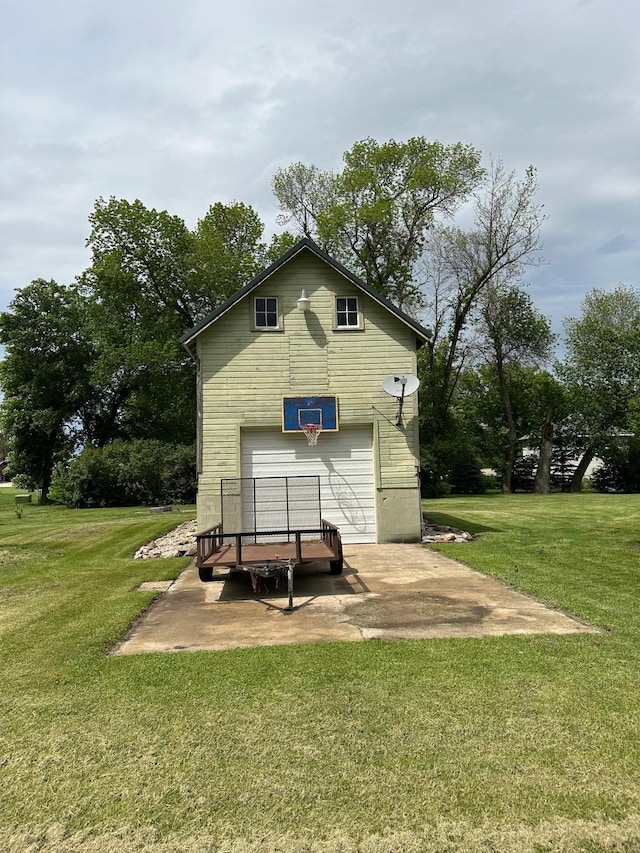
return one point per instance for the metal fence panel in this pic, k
(259, 506)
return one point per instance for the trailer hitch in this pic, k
(278, 569)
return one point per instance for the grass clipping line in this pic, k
(558, 836)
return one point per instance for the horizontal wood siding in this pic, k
(245, 373)
(221, 434)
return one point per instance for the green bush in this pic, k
(127, 474)
(524, 472)
(450, 466)
(465, 476)
(432, 471)
(620, 470)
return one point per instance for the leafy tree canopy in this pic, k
(460, 267)
(374, 215)
(512, 334)
(44, 377)
(101, 360)
(151, 279)
(602, 363)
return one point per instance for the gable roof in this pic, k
(305, 244)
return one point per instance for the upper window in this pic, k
(348, 314)
(265, 312)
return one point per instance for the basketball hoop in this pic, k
(312, 431)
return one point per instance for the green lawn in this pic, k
(502, 744)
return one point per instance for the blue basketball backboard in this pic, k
(322, 412)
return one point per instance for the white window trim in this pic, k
(255, 327)
(349, 328)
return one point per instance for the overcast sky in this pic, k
(182, 103)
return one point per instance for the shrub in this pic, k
(524, 472)
(433, 471)
(465, 476)
(450, 466)
(620, 470)
(127, 474)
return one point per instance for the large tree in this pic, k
(601, 369)
(150, 280)
(102, 361)
(228, 251)
(159, 268)
(44, 378)
(460, 266)
(376, 213)
(153, 252)
(553, 412)
(512, 334)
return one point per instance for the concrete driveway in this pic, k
(386, 592)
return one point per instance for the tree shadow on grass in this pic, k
(447, 520)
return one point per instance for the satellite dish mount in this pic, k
(400, 385)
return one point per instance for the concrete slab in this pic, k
(386, 592)
(155, 586)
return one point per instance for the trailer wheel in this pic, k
(205, 573)
(336, 566)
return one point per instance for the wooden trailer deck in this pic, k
(217, 549)
(260, 552)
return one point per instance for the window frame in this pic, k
(278, 314)
(348, 327)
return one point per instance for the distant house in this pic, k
(306, 340)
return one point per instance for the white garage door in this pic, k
(344, 462)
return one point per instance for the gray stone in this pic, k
(178, 542)
(444, 533)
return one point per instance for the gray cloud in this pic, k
(182, 104)
(620, 243)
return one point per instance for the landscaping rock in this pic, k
(179, 542)
(442, 533)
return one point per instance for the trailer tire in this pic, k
(205, 573)
(336, 566)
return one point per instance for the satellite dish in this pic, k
(400, 384)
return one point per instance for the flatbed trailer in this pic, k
(268, 520)
(235, 550)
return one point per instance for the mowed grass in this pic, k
(523, 743)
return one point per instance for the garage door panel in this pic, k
(342, 460)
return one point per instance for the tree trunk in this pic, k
(513, 433)
(46, 484)
(578, 476)
(542, 480)
(47, 467)
(507, 477)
